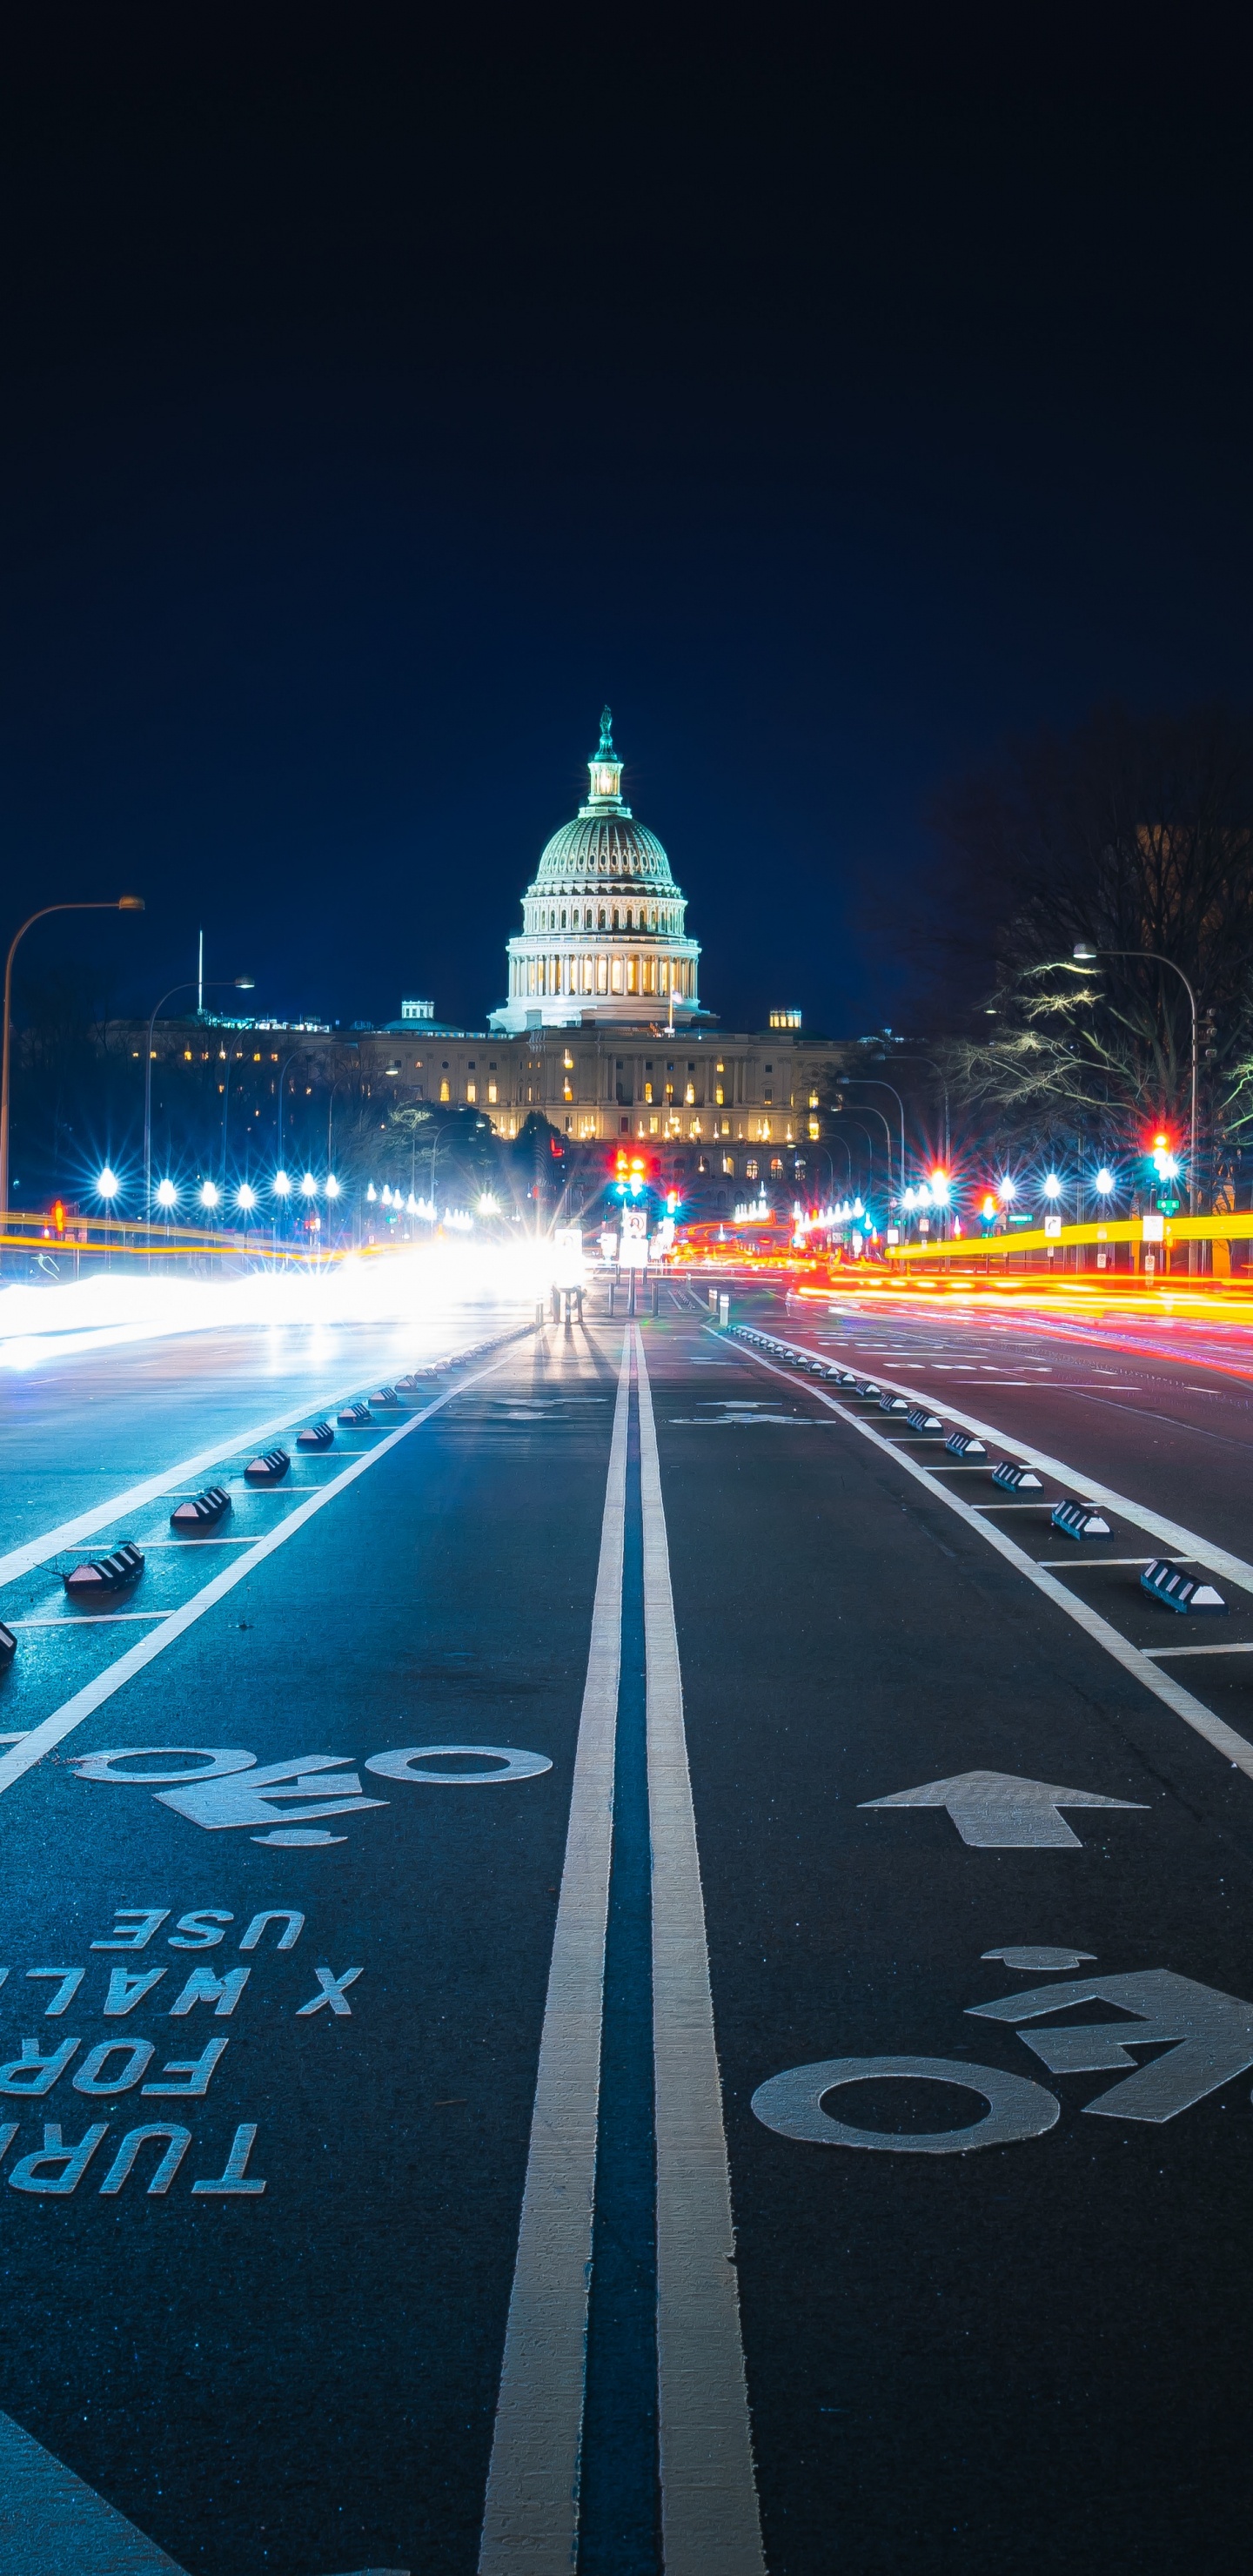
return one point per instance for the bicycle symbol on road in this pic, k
(1208, 2036)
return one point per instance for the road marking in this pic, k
(72, 1712)
(51, 2519)
(1170, 1534)
(1218, 1648)
(36, 1551)
(1083, 1564)
(530, 2516)
(1234, 1748)
(70, 1620)
(709, 2512)
(997, 1811)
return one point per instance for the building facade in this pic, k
(602, 1033)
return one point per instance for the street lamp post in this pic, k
(1086, 955)
(242, 984)
(120, 903)
(871, 1082)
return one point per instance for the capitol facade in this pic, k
(602, 1033)
(602, 940)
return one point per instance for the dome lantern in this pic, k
(605, 773)
(602, 935)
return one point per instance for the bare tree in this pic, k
(1134, 833)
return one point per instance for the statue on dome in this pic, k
(606, 732)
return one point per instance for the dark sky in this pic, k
(382, 393)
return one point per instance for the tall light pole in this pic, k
(242, 984)
(871, 1082)
(1086, 955)
(120, 903)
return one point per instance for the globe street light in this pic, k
(120, 903)
(166, 1194)
(209, 1194)
(107, 1186)
(1104, 1181)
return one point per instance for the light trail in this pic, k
(54, 1321)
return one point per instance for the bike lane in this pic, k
(302, 2377)
(1024, 2353)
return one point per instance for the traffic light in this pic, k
(1165, 1163)
(631, 1174)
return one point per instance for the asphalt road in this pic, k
(672, 2155)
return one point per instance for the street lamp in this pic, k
(166, 1195)
(120, 903)
(107, 1186)
(209, 1194)
(1086, 955)
(242, 984)
(1104, 1181)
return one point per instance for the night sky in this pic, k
(379, 400)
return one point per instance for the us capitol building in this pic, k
(602, 1030)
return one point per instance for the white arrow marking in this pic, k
(997, 1812)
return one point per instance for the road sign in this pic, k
(996, 1811)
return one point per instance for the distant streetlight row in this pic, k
(166, 1195)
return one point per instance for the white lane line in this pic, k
(68, 1622)
(72, 1712)
(530, 2516)
(1234, 1748)
(1216, 1649)
(709, 2515)
(35, 1551)
(1172, 1534)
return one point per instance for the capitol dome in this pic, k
(602, 921)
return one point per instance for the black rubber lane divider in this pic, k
(316, 1435)
(105, 1573)
(1014, 1479)
(8, 1644)
(963, 1444)
(919, 1419)
(355, 1413)
(1179, 1591)
(894, 1404)
(269, 1470)
(200, 1511)
(1079, 1520)
(383, 1395)
(869, 1386)
(416, 1378)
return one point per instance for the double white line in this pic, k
(710, 2522)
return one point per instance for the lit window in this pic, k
(728, 1164)
(472, 1092)
(750, 1169)
(648, 1091)
(813, 1100)
(814, 1131)
(443, 1089)
(776, 1164)
(615, 976)
(690, 1094)
(726, 1127)
(491, 1095)
(719, 1096)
